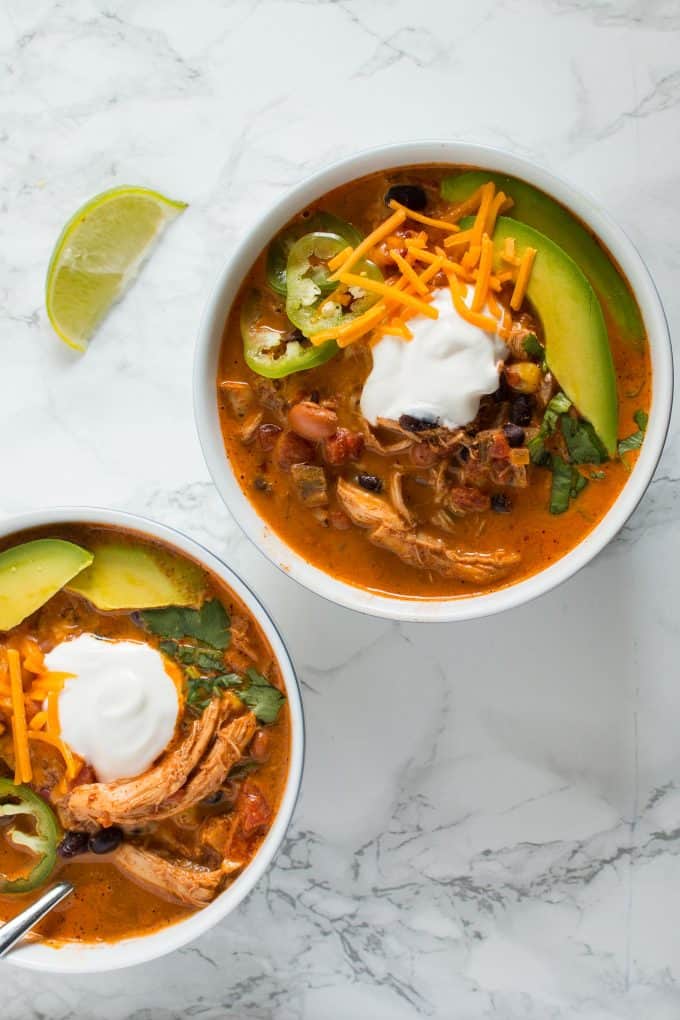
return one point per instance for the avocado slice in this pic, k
(129, 575)
(538, 210)
(576, 341)
(31, 573)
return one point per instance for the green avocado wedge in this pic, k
(31, 573)
(538, 210)
(576, 341)
(128, 575)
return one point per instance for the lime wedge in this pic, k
(98, 255)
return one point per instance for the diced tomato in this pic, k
(500, 448)
(293, 449)
(342, 446)
(267, 436)
(253, 809)
(466, 499)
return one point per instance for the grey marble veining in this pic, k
(490, 822)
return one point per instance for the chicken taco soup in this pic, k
(434, 382)
(144, 732)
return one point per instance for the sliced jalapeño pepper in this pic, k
(307, 306)
(279, 249)
(41, 843)
(274, 352)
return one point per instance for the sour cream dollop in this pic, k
(441, 374)
(119, 710)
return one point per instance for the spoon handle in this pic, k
(12, 931)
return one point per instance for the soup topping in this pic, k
(143, 726)
(437, 387)
(118, 708)
(440, 375)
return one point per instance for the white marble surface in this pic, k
(490, 818)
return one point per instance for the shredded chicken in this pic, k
(230, 743)
(105, 804)
(396, 494)
(239, 394)
(366, 508)
(416, 547)
(216, 835)
(182, 882)
(250, 426)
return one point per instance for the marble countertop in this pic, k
(480, 834)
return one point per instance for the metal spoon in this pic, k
(12, 931)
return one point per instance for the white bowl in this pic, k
(229, 282)
(88, 958)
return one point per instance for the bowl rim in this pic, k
(88, 958)
(224, 292)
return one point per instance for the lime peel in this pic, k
(98, 254)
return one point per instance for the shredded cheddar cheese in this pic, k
(465, 256)
(482, 284)
(427, 220)
(61, 747)
(23, 772)
(488, 192)
(409, 272)
(476, 318)
(388, 290)
(523, 274)
(388, 227)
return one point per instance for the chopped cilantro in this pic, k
(559, 405)
(193, 655)
(263, 698)
(209, 624)
(582, 441)
(634, 441)
(597, 475)
(202, 689)
(567, 482)
(532, 347)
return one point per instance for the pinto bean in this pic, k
(312, 421)
(259, 746)
(292, 449)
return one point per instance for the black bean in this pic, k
(213, 798)
(413, 424)
(410, 195)
(106, 840)
(261, 484)
(72, 844)
(501, 503)
(514, 434)
(370, 482)
(521, 409)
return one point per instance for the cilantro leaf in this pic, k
(597, 475)
(533, 347)
(202, 689)
(582, 442)
(560, 492)
(567, 482)
(634, 441)
(209, 624)
(559, 405)
(263, 698)
(193, 655)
